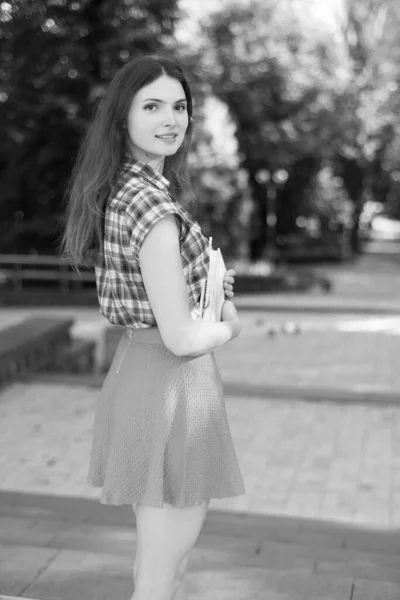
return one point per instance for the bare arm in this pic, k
(164, 280)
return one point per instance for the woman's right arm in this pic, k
(164, 280)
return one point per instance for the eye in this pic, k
(151, 107)
(181, 108)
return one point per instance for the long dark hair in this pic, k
(102, 152)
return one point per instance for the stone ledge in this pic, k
(284, 392)
(288, 531)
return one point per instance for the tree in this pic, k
(276, 82)
(368, 104)
(57, 57)
(302, 100)
(220, 186)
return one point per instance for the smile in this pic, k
(168, 136)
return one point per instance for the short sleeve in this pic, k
(146, 208)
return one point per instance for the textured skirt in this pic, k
(161, 432)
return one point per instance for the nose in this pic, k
(169, 117)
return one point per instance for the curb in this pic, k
(284, 529)
(320, 308)
(266, 392)
(257, 302)
(314, 394)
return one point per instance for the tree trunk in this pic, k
(97, 36)
(258, 221)
(355, 228)
(353, 174)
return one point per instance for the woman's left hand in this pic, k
(229, 281)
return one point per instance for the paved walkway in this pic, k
(347, 347)
(336, 356)
(339, 354)
(71, 549)
(321, 515)
(303, 459)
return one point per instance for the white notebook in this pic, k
(213, 294)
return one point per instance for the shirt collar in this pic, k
(144, 170)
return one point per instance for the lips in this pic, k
(167, 136)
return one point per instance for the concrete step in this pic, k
(70, 548)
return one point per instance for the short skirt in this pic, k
(161, 432)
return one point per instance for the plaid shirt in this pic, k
(142, 198)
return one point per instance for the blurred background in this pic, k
(295, 168)
(296, 153)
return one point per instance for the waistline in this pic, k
(145, 335)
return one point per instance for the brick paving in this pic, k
(68, 548)
(324, 355)
(318, 460)
(332, 352)
(321, 515)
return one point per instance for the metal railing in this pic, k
(16, 269)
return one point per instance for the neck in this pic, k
(155, 162)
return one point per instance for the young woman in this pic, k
(161, 438)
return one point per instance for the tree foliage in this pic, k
(57, 56)
(301, 99)
(276, 82)
(303, 103)
(368, 103)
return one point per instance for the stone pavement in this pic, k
(305, 303)
(319, 460)
(347, 348)
(318, 475)
(335, 356)
(321, 516)
(71, 548)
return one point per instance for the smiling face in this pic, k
(157, 121)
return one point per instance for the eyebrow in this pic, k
(163, 101)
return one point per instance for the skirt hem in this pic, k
(111, 500)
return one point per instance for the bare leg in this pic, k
(181, 594)
(165, 537)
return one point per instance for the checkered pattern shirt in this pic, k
(140, 199)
